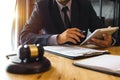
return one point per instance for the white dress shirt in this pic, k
(53, 39)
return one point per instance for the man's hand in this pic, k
(106, 42)
(70, 35)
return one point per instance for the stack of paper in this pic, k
(104, 63)
(74, 52)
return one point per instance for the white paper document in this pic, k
(73, 52)
(105, 63)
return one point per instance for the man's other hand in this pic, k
(105, 42)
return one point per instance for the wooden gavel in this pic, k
(30, 52)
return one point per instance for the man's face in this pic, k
(63, 2)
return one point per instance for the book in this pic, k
(98, 33)
(104, 63)
(74, 52)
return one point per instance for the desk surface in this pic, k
(61, 69)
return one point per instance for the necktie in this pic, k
(66, 19)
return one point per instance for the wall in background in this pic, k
(107, 10)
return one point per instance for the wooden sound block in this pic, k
(29, 68)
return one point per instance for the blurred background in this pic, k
(14, 14)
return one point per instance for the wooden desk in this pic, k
(61, 69)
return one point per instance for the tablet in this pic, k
(98, 33)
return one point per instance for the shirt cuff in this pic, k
(52, 40)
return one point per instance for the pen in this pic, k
(82, 31)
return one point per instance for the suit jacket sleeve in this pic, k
(30, 32)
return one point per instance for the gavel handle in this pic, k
(8, 56)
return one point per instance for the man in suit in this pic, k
(47, 24)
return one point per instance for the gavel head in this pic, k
(30, 53)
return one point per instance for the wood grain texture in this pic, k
(61, 69)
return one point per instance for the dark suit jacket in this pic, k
(46, 16)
